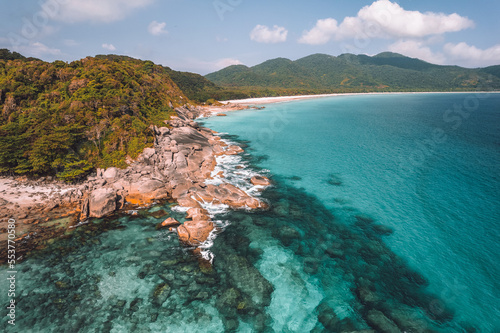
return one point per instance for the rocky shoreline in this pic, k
(175, 170)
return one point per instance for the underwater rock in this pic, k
(382, 229)
(334, 180)
(228, 301)
(335, 252)
(159, 213)
(286, 234)
(160, 294)
(327, 317)
(381, 323)
(248, 279)
(367, 296)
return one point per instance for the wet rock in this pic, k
(197, 214)
(194, 233)
(102, 202)
(260, 181)
(168, 223)
(381, 323)
(160, 294)
(234, 150)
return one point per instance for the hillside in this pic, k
(320, 73)
(67, 119)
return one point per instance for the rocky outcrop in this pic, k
(102, 202)
(183, 157)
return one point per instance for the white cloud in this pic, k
(321, 33)
(157, 28)
(35, 49)
(469, 55)
(109, 47)
(263, 34)
(73, 11)
(223, 63)
(385, 19)
(418, 49)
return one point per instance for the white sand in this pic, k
(269, 100)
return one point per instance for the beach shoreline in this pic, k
(283, 99)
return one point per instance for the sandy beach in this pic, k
(282, 99)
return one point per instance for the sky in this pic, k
(203, 36)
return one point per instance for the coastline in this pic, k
(178, 169)
(282, 99)
(182, 168)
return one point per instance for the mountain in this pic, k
(320, 73)
(66, 119)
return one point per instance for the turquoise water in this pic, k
(426, 165)
(384, 213)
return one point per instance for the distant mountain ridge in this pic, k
(386, 71)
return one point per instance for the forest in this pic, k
(66, 119)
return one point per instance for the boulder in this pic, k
(194, 233)
(197, 214)
(163, 131)
(168, 223)
(261, 181)
(102, 202)
(110, 173)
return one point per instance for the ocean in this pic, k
(384, 213)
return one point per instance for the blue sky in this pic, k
(206, 35)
